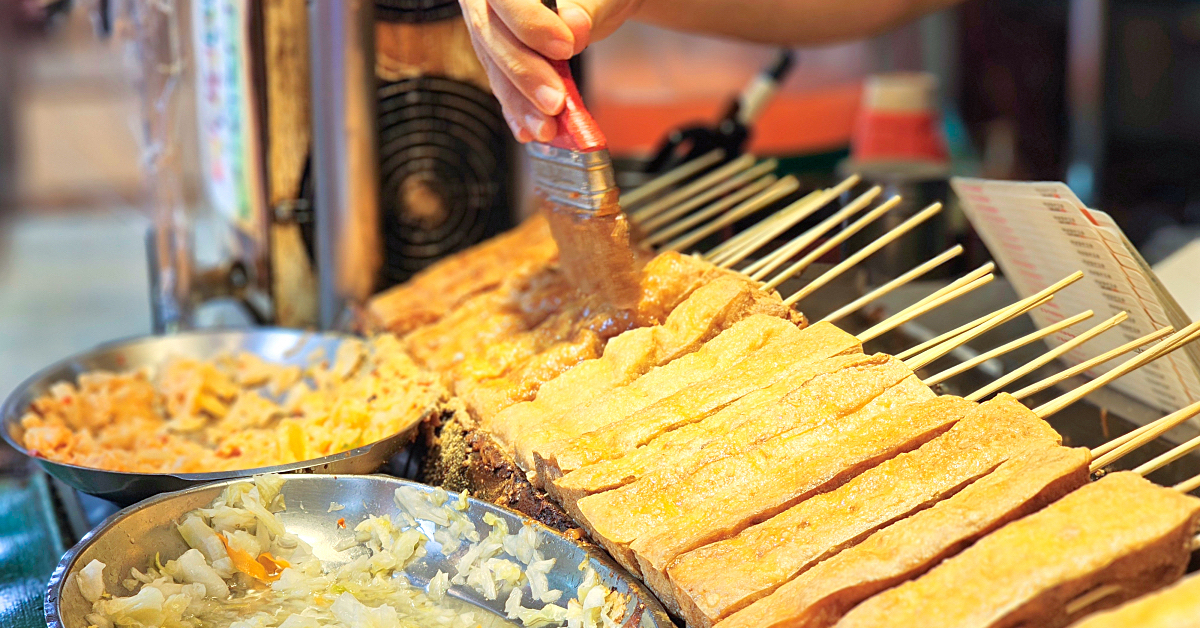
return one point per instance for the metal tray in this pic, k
(285, 346)
(131, 537)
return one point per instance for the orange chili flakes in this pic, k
(342, 522)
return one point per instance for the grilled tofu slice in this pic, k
(743, 338)
(776, 362)
(703, 315)
(819, 597)
(816, 415)
(1121, 534)
(715, 580)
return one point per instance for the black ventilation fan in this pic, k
(415, 11)
(445, 171)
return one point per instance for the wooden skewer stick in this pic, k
(1091, 597)
(777, 258)
(864, 253)
(749, 233)
(717, 191)
(957, 331)
(1046, 357)
(768, 233)
(807, 239)
(961, 281)
(1092, 363)
(909, 314)
(1168, 457)
(1146, 434)
(807, 205)
(1188, 486)
(989, 322)
(888, 287)
(1180, 338)
(717, 208)
(643, 192)
(758, 202)
(1005, 348)
(766, 230)
(693, 188)
(921, 360)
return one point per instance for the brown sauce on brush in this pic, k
(595, 252)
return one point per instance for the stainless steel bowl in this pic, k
(131, 537)
(286, 346)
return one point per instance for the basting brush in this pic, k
(576, 190)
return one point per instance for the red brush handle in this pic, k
(577, 129)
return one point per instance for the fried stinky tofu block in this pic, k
(1121, 533)
(734, 428)
(435, 291)
(745, 337)
(702, 316)
(715, 580)
(761, 378)
(704, 483)
(820, 596)
(697, 394)
(782, 473)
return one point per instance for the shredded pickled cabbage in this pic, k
(245, 570)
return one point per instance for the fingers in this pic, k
(578, 18)
(522, 79)
(526, 121)
(536, 26)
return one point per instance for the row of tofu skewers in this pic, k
(757, 470)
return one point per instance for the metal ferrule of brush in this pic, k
(576, 178)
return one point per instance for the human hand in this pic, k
(514, 39)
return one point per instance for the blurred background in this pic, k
(196, 117)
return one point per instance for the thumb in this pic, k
(578, 18)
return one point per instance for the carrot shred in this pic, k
(245, 563)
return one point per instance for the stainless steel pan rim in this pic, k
(126, 487)
(374, 496)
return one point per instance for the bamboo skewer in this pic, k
(927, 357)
(989, 322)
(888, 287)
(663, 181)
(957, 331)
(961, 281)
(1188, 486)
(783, 255)
(1180, 338)
(777, 191)
(1010, 346)
(768, 263)
(768, 229)
(717, 191)
(1167, 458)
(717, 208)
(803, 208)
(697, 186)
(901, 318)
(1091, 597)
(768, 233)
(1092, 363)
(865, 252)
(748, 234)
(1146, 434)
(1046, 357)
